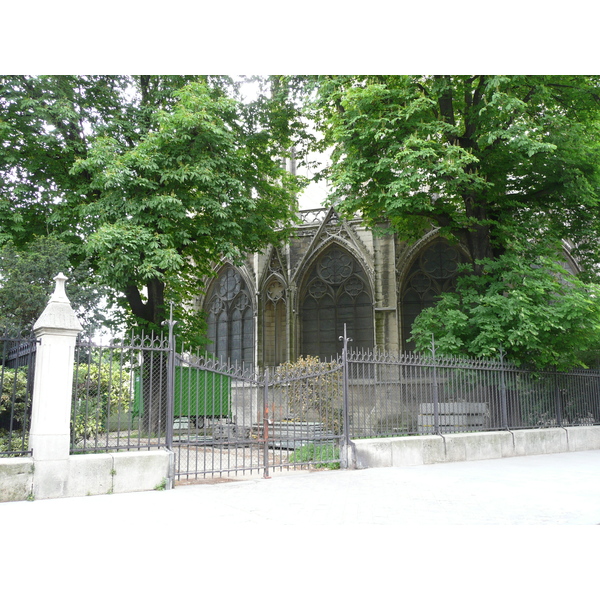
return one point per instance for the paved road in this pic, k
(312, 524)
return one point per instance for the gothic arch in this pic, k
(429, 269)
(229, 308)
(274, 334)
(335, 290)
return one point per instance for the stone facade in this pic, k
(294, 300)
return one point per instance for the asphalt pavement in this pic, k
(353, 531)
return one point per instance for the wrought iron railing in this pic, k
(414, 395)
(223, 419)
(17, 363)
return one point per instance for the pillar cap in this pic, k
(58, 314)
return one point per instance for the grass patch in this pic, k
(320, 456)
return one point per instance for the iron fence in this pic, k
(235, 421)
(221, 419)
(414, 395)
(120, 395)
(17, 364)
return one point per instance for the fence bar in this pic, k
(503, 402)
(346, 449)
(266, 424)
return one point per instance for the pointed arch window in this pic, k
(274, 322)
(336, 292)
(230, 322)
(434, 271)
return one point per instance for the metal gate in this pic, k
(17, 362)
(231, 421)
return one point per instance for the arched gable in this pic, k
(334, 291)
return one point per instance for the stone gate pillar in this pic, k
(49, 437)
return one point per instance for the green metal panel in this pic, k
(197, 393)
(201, 393)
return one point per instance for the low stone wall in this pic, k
(429, 449)
(84, 475)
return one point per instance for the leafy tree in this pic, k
(536, 313)
(150, 178)
(486, 159)
(206, 182)
(27, 280)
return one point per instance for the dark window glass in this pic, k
(434, 271)
(230, 319)
(336, 293)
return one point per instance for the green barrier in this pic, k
(198, 393)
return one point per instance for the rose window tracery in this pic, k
(335, 293)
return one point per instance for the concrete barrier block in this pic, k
(90, 474)
(412, 451)
(433, 449)
(540, 441)
(479, 446)
(50, 479)
(16, 478)
(373, 453)
(140, 471)
(583, 438)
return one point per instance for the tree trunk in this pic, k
(150, 315)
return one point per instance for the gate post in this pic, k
(436, 395)
(170, 400)
(347, 459)
(266, 425)
(49, 438)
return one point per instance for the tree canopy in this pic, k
(496, 163)
(150, 178)
(27, 280)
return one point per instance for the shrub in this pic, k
(101, 388)
(14, 385)
(311, 386)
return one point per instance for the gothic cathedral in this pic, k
(294, 300)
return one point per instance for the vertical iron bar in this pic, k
(557, 399)
(436, 408)
(266, 424)
(345, 459)
(503, 402)
(170, 383)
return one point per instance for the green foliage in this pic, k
(203, 184)
(162, 486)
(14, 383)
(150, 178)
(486, 158)
(15, 442)
(320, 456)
(313, 389)
(101, 388)
(537, 313)
(27, 280)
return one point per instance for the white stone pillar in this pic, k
(49, 436)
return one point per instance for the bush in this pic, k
(14, 383)
(313, 387)
(13, 443)
(101, 388)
